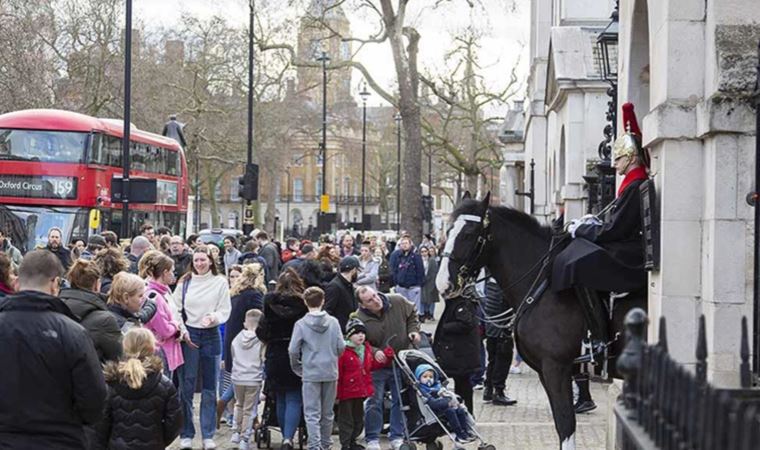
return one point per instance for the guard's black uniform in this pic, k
(608, 257)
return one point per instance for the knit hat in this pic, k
(354, 326)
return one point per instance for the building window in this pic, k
(318, 184)
(218, 191)
(319, 158)
(346, 186)
(298, 190)
(345, 51)
(235, 189)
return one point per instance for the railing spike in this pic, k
(701, 368)
(744, 372)
(663, 335)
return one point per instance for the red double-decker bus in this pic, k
(56, 167)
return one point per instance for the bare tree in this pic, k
(461, 126)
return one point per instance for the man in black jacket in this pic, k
(499, 345)
(52, 383)
(56, 247)
(339, 293)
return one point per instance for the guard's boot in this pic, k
(585, 403)
(487, 393)
(596, 321)
(499, 398)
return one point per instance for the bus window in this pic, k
(106, 151)
(45, 146)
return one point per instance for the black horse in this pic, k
(548, 331)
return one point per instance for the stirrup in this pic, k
(592, 352)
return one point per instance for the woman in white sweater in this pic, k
(203, 299)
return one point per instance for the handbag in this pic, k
(185, 286)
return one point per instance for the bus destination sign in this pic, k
(27, 186)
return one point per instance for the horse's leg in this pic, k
(557, 378)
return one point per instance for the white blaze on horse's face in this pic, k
(442, 280)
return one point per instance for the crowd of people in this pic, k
(122, 331)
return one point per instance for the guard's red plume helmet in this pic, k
(629, 120)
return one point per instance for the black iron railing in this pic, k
(666, 406)
(339, 199)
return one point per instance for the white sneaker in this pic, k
(186, 443)
(243, 445)
(373, 445)
(396, 444)
(515, 370)
(235, 439)
(209, 444)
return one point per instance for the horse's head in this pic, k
(466, 239)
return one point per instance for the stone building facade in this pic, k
(689, 68)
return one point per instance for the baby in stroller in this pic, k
(442, 401)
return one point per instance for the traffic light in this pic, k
(427, 207)
(249, 183)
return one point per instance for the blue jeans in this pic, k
(289, 406)
(413, 294)
(429, 309)
(207, 358)
(382, 380)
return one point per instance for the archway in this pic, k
(638, 66)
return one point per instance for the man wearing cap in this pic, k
(607, 253)
(339, 293)
(95, 243)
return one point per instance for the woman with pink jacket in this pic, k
(158, 269)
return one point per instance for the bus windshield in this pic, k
(27, 226)
(44, 146)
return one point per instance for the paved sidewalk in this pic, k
(525, 426)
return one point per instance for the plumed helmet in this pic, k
(629, 143)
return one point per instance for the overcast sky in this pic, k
(505, 28)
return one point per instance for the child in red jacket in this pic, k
(355, 383)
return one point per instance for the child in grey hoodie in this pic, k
(315, 347)
(247, 375)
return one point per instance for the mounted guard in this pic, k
(606, 253)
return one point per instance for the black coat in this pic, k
(241, 304)
(608, 257)
(339, 300)
(429, 293)
(275, 330)
(51, 383)
(63, 254)
(457, 338)
(122, 316)
(92, 312)
(148, 418)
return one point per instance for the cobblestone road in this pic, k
(525, 426)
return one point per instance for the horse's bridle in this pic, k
(468, 272)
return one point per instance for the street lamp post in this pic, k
(364, 95)
(247, 227)
(287, 201)
(197, 194)
(125, 138)
(323, 58)
(398, 172)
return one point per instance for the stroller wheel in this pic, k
(486, 447)
(435, 445)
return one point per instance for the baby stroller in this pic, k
(263, 435)
(420, 423)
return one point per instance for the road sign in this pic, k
(248, 218)
(324, 203)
